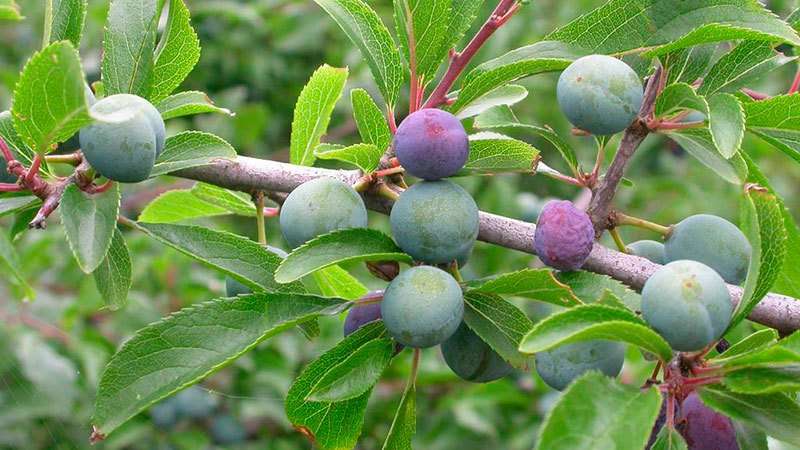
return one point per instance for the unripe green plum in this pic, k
(600, 94)
(422, 307)
(320, 206)
(234, 288)
(559, 366)
(125, 138)
(472, 359)
(651, 250)
(435, 222)
(712, 241)
(688, 304)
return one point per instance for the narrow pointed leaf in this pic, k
(89, 222)
(669, 439)
(749, 61)
(491, 153)
(753, 342)
(313, 110)
(428, 26)
(188, 103)
(113, 276)
(404, 424)
(727, 122)
(128, 46)
(191, 149)
(678, 97)
(498, 323)
(591, 287)
(364, 156)
(355, 375)
(370, 121)
(507, 95)
(688, 64)
(177, 53)
(177, 206)
(535, 284)
(68, 19)
(235, 202)
(777, 121)
(333, 281)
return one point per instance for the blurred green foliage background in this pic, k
(257, 55)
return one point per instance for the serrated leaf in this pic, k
(491, 153)
(591, 287)
(677, 97)
(9, 261)
(784, 353)
(749, 61)
(600, 413)
(187, 104)
(726, 121)
(189, 345)
(371, 124)
(234, 202)
(18, 148)
(507, 95)
(89, 222)
(689, 64)
(462, 16)
(13, 205)
(776, 414)
(191, 149)
(239, 257)
(331, 425)
(763, 226)
(177, 53)
(753, 342)
(498, 323)
(669, 439)
(354, 244)
(68, 19)
(764, 380)
(333, 281)
(523, 62)
(49, 101)
(777, 121)
(404, 424)
(535, 284)
(178, 205)
(113, 276)
(313, 110)
(503, 117)
(364, 156)
(128, 46)
(9, 10)
(428, 27)
(356, 375)
(365, 29)
(699, 143)
(587, 322)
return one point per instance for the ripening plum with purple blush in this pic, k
(360, 315)
(704, 428)
(431, 144)
(564, 236)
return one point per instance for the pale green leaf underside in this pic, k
(177, 53)
(89, 222)
(128, 46)
(68, 19)
(187, 104)
(498, 323)
(699, 143)
(113, 276)
(727, 122)
(191, 149)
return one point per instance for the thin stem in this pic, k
(675, 125)
(262, 232)
(389, 171)
(796, 82)
(671, 411)
(48, 22)
(100, 189)
(391, 119)
(563, 178)
(696, 382)
(72, 159)
(10, 187)
(624, 219)
(7, 155)
(614, 232)
(453, 269)
(412, 378)
(755, 95)
(601, 156)
(34, 170)
(386, 192)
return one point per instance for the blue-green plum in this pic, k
(435, 222)
(712, 241)
(688, 304)
(422, 307)
(195, 403)
(599, 94)
(431, 144)
(235, 288)
(651, 250)
(226, 430)
(320, 206)
(125, 138)
(559, 366)
(471, 358)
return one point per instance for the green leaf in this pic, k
(776, 414)
(535, 284)
(191, 149)
(49, 100)
(429, 25)
(664, 26)
(113, 275)
(189, 345)
(688, 64)
(699, 143)
(777, 121)
(599, 413)
(333, 281)
(750, 437)
(503, 96)
(355, 244)
(13, 205)
(331, 425)
(503, 117)
(764, 380)
(10, 263)
(763, 225)
(234, 202)
(591, 287)
(365, 29)
(177, 53)
(371, 124)
(68, 19)
(678, 97)
(749, 61)
(491, 153)
(583, 323)
(364, 156)
(356, 375)
(669, 439)
(9, 10)
(523, 62)
(462, 16)
(89, 222)
(178, 205)
(753, 342)
(239, 257)
(128, 46)
(404, 424)
(498, 323)
(726, 121)
(784, 353)
(187, 104)
(313, 110)
(9, 134)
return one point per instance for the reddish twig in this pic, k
(10, 187)
(416, 85)
(795, 83)
(755, 95)
(34, 170)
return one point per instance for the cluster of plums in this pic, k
(197, 405)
